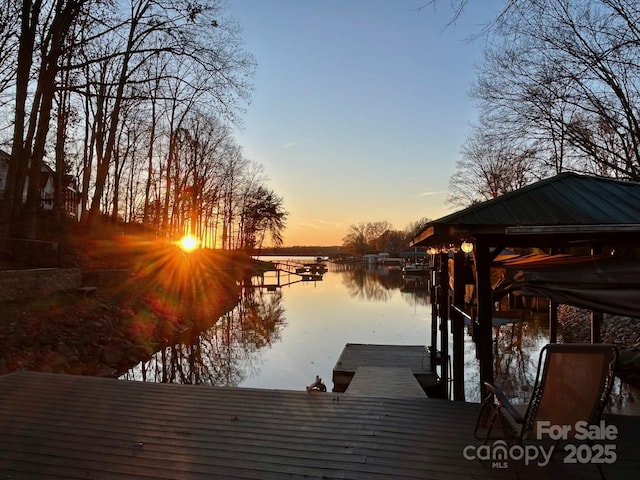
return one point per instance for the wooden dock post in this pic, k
(553, 321)
(596, 324)
(443, 310)
(484, 297)
(457, 326)
(434, 316)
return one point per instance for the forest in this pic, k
(132, 105)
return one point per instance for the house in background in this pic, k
(70, 195)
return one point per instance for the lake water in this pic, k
(281, 338)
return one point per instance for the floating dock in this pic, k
(414, 358)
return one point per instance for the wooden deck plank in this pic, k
(60, 426)
(385, 382)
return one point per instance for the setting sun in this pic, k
(188, 243)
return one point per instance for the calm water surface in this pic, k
(281, 338)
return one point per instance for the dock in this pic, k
(390, 382)
(289, 272)
(72, 427)
(355, 355)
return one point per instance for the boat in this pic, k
(415, 269)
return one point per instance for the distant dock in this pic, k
(287, 272)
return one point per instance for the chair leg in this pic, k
(601, 471)
(486, 418)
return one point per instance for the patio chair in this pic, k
(573, 383)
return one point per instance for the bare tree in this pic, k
(43, 38)
(564, 77)
(9, 24)
(263, 213)
(100, 53)
(355, 241)
(414, 228)
(489, 167)
(367, 237)
(126, 81)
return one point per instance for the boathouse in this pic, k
(587, 226)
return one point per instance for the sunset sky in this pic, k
(360, 107)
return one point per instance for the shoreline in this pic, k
(624, 332)
(118, 325)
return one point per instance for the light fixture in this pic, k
(467, 246)
(432, 250)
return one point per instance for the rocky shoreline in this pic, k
(624, 332)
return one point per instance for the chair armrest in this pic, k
(504, 402)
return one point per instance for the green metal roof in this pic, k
(567, 203)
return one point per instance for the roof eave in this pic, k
(438, 234)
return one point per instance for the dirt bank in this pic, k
(107, 331)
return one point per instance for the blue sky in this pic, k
(360, 107)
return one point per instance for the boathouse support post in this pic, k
(596, 326)
(443, 309)
(553, 321)
(596, 317)
(434, 312)
(485, 304)
(457, 326)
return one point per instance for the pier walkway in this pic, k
(55, 426)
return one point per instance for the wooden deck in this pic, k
(61, 426)
(356, 355)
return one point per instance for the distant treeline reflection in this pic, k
(377, 283)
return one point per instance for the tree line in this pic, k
(136, 99)
(557, 90)
(380, 237)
